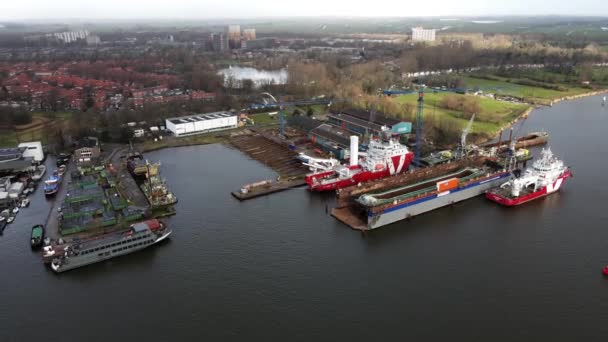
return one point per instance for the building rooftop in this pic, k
(12, 159)
(355, 120)
(201, 117)
(376, 118)
(11, 153)
(328, 132)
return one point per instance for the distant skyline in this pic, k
(206, 9)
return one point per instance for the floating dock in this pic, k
(267, 188)
(529, 140)
(378, 203)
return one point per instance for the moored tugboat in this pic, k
(545, 177)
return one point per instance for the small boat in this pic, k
(61, 170)
(25, 203)
(37, 236)
(62, 159)
(10, 219)
(2, 218)
(51, 185)
(15, 210)
(38, 173)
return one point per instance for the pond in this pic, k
(234, 75)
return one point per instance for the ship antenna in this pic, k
(512, 162)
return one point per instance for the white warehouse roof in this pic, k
(34, 150)
(200, 117)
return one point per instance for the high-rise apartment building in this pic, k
(219, 42)
(249, 34)
(233, 33)
(421, 35)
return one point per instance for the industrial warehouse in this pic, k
(201, 123)
(333, 135)
(362, 122)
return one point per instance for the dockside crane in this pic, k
(282, 121)
(419, 113)
(281, 114)
(463, 138)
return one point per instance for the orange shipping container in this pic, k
(447, 184)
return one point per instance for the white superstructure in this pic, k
(543, 173)
(354, 150)
(201, 123)
(34, 150)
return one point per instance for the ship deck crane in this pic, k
(463, 138)
(419, 113)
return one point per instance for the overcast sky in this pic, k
(195, 9)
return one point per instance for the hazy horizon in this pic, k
(267, 9)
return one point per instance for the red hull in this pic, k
(511, 202)
(360, 177)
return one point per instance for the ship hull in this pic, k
(407, 210)
(542, 192)
(364, 176)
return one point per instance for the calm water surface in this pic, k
(279, 268)
(258, 76)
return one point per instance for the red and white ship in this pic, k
(385, 157)
(545, 177)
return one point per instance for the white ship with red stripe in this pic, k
(385, 157)
(545, 177)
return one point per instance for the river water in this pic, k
(279, 268)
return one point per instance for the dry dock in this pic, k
(274, 154)
(351, 214)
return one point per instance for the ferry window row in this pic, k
(114, 244)
(131, 246)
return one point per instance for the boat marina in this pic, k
(92, 198)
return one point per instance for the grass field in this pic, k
(199, 139)
(266, 119)
(528, 93)
(41, 129)
(492, 117)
